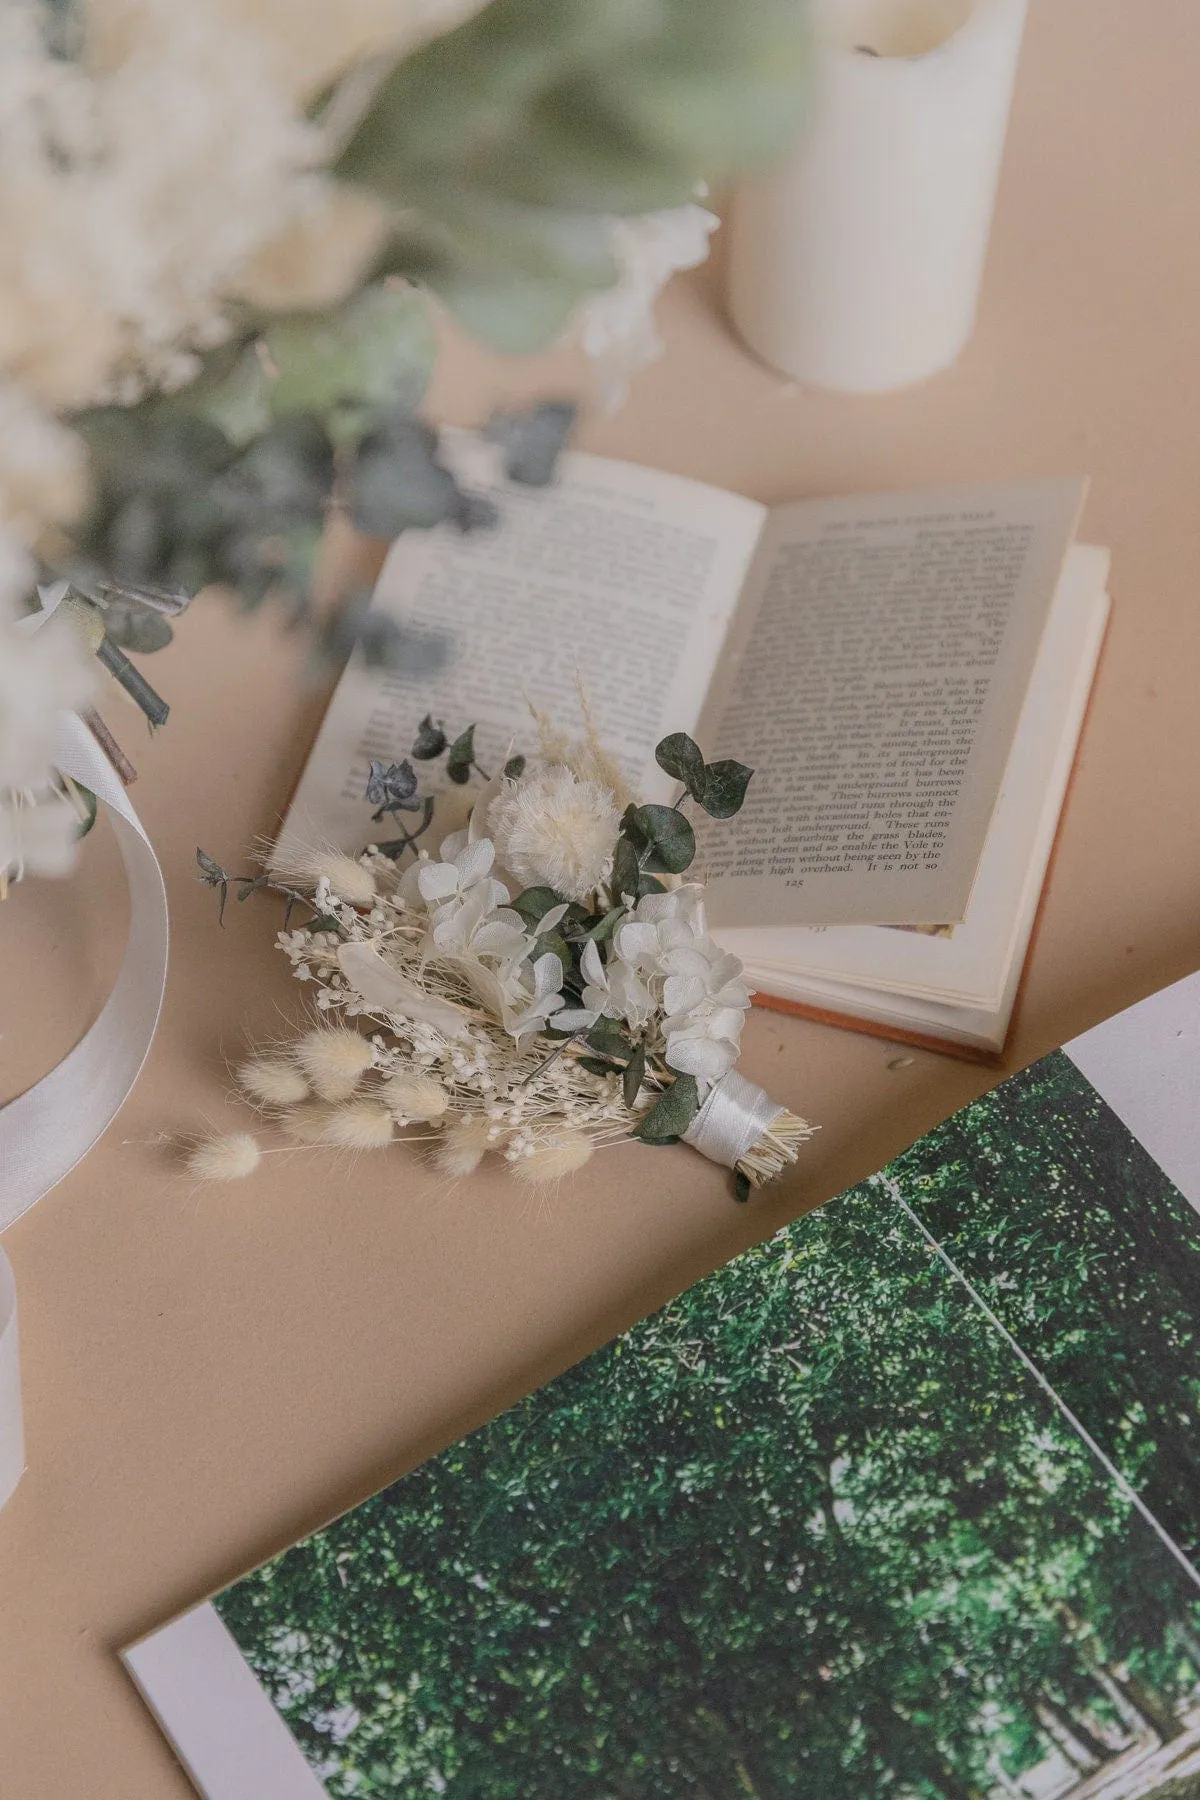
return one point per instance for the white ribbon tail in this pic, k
(52, 1126)
(12, 1437)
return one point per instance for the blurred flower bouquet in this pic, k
(221, 224)
(574, 1003)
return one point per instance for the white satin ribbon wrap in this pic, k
(732, 1119)
(48, 1129)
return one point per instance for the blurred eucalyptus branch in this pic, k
(221, 226)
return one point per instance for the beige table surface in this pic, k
(209, 1373)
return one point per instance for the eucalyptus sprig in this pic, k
(230, 484)
(214, 875)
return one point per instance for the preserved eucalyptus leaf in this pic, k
(137, 628)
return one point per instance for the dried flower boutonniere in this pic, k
(541, 984)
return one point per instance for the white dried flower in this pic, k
(312, 43)
(43, 466)
(307, 1124)
(229, 1157)
(704, 1032)
(320, 257)
(476, 927)
(553, 1158)
(616, 326)
(466, 868)
(308, 865)
(665, 948)
(414, 1097)
(134, 186)
(334, 1058)
(615, 992)
(384, 989)
(273, 1080)
(531, 995)
(461, 1148)
(359, 1125)
(554, 830)
(37, 837)
(41, 673)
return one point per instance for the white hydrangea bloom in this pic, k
(705, 1001)
(616, 327)
(457, 872)
(615, 992)
(659, 923)
(664, 950)
(553, 830)
(476, 926)
(474, 934)
(533, 995)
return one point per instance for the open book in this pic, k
(901, 1501)
(907, 674)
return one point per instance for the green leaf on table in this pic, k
(673, 1112)
(461, 759)
(635, 1074)
(430, 740)
(670, 842)
(512, 275)
(680, 756)
(725, 785)
(513, 313)
(514, 768)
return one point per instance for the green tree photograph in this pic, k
(814, 1529)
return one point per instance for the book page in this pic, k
(618, 579)
(873, 680)
(961, 987)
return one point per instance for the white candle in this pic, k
(857, 263)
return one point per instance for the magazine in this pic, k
(904, 1501)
